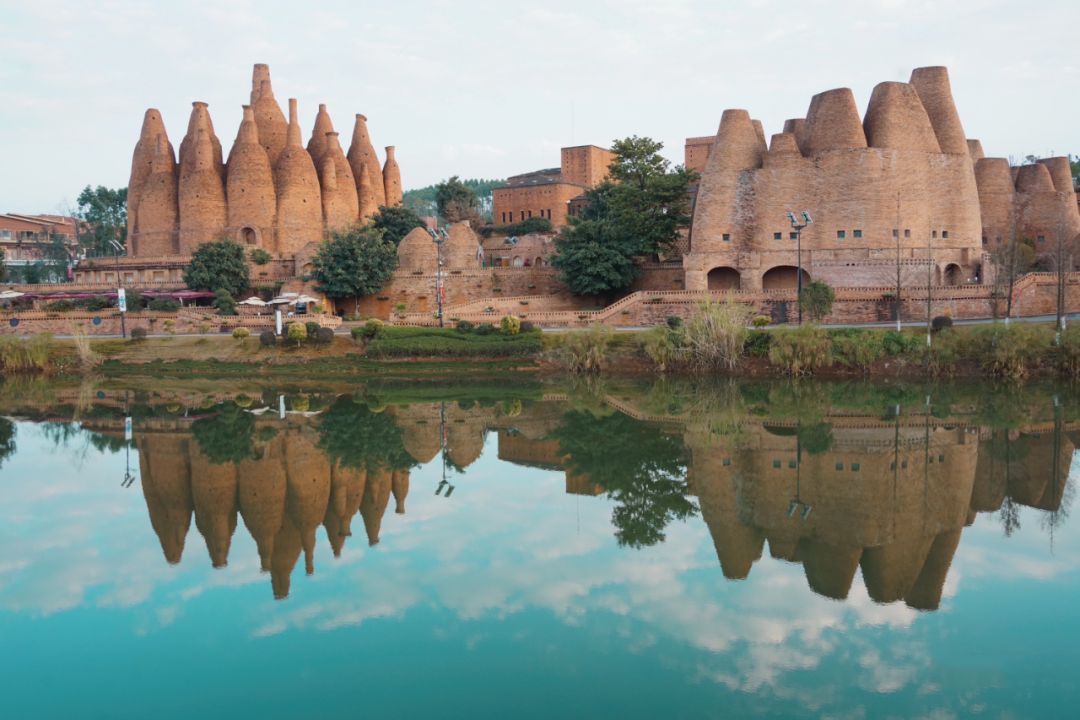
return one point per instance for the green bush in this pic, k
(757, 343)
(267, 338)
(658, 344)
(241, 333)
(312, 327)
(93, 304)
(372, 327)
(800, 350)
(585, 351)
(674, 322)
(527, 327)
(357, 332)
(896, 343)
(485, 329)
(260, 257)
(163, 304)
(61, 305)
(138, 333)
(464, 326)
(1003, 350)
(203, 328)
(324, 335)
(857, 347)
(510, 325)
(941, 322)
(448, 342)
(296, 332)
(761, 321)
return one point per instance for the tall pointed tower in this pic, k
(340, 204)
(299, 201)
(362, 152)
(201, 193)
(252, 202)
(158, 211)
(317, 144)
(141, 160)
(391, 178)
(268, 116)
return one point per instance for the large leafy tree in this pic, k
(103, 212)
(396, 222)
(592, 257)
(354, 262)
(228, 436)
(216, 265)
(648, 201)
(637, 465)
(457, 201)
(353, 435)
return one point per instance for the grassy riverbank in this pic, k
(1016, 350)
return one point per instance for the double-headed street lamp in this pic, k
(439, 237)
(798, 235)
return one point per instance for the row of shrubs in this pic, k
(94, 303)
(512, 338)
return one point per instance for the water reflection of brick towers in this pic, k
(282, 495)
(273, 193)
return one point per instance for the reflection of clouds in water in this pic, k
(510, 540)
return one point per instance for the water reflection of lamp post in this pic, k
(442, 452)
(797, 501)
(128, 477)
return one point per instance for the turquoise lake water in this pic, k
(640, 550)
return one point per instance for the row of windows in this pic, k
(524, 215)
(842, 234)
(997, 240)
(840, 465)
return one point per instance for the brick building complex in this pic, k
(547, 193)
(903, 185)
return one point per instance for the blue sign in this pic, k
(97, 320)
(14, 322)
(101, 394)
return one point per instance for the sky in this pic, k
(489, 89)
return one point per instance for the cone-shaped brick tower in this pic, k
(317, 144)
(346, 492)
(896, 120)
(400, 487)
(300, 212)
(262, 489)
(202, 195)
(260, 73)
(287, 546)
(362, 152)
(166, 485)
(832, 123)
(213, 492)
(932, 85)
(975, 150)
(1060, 173)
(369, 204)
(250, 187)
(200, 120)
(158, 211)
(340, 204)
(273, 129)
(996, 193)
(391, 179)
(141, 161)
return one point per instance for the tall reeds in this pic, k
(585, 351)
(19, 355)
(87, 357)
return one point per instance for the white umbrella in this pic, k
(279, 301)
(253, 301)
(10, 295)
(304, 299)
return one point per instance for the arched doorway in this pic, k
(953, 274)
(724, 278)
(539, 262)
(783, 277)
(517, 261)
(248, 236)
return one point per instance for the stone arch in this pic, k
(248, 235)
(783, 277)
(724, 278)
(954, 274)
(518, 261)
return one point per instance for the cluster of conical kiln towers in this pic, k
(271, 192)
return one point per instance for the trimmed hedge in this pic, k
(398, 342)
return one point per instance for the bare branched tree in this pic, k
(1059, 257)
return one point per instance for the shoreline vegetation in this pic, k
(711, 342)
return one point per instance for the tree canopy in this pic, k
(354, 262)
(816, 299)
(636, 464)
(396, 222)
(638, 212)
(352, 434)
(216, 265)
(228, 437)
(104, 215)
(457, 201)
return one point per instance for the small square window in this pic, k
(856, 233)
(907, 233)
(896, 233)
(839, 234)
(839, 466)
(903, 464)
(892, 465)
(1041, 238)
(855, 467)
(791, 463)
(997, 241)
(945, 233)
(777, 236)
(794, 236)
(986, 241)
(933, 234)
(727, 461)
(941, 458)
(776, 463)
(726, 237)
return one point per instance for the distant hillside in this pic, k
(422, 200)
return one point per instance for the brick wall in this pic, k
(541, 200)
(586, 164)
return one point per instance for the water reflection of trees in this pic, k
(636, 464)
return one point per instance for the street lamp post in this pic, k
(117, 247)
(439, 237)
(798, 236)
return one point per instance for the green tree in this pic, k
(457, 201)
(103, 213)
(1074, 165)
(591, 255)
(354, 262)
(355, 436)
(396, 222)
(3, 266)
(32, 274)
(218, 264)
(816, 299)
(637, 465)
(228, 436)
(648, 200)
(7, 439)
(224, 302)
